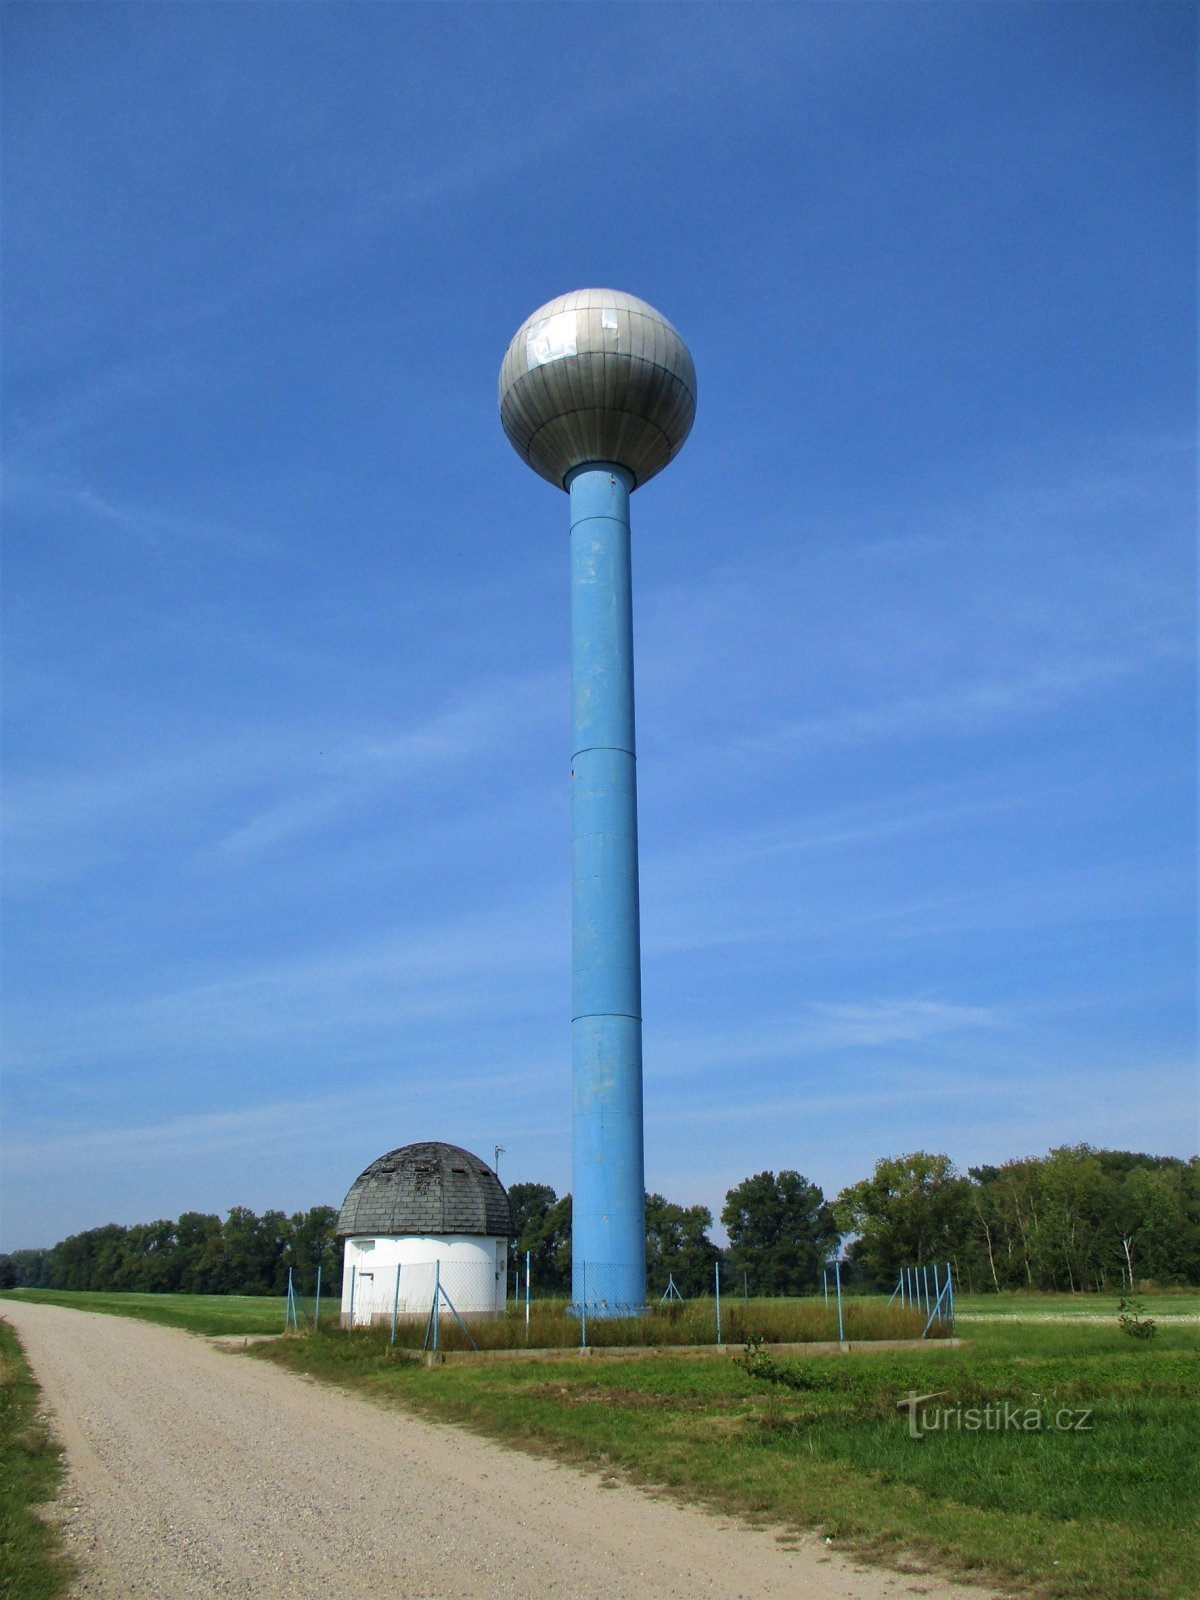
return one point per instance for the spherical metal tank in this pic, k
(597, 376)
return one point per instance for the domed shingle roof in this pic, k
(429, 1188)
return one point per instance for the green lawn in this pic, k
(198, 1313)
(32, 1563)
(1170, 1303)
(1105, 1510)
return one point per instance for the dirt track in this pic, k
(194, 1472)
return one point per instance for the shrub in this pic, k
(1131, 1319)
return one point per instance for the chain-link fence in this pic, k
(459, 1305)
(421, 1289)
(307, 1302)
(928, 1289)
(608, 1289)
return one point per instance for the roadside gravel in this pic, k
(193, 1473)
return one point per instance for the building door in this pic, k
(364, 1307)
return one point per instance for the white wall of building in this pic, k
(473, 1272)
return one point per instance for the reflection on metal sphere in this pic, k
(597, 376)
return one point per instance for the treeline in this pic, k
(677, 1242)
(198, 1254)
(1075, 1219)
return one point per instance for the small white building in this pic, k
(423, 1217)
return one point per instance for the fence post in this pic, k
(353, 1276)
(950, 1287)
(937, 1294)
(395, 1304)
(717, 1278)
(825, 1282)
(527, 1297)
(437, 1295)
(287, 1311)
(317, 1307)
(745, 1286)
(583, 1305)
(837, 1273)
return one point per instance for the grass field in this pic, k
(1104, 1509)
(198, 1313)
(32, 1563)
(1081, 1307)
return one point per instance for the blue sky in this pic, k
(286, 869)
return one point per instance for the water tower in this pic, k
(597, 394)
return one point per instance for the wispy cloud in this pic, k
(397, 986)
(926, 809)
(909, 869)
(842, 914)
(160, 527)
(810, 1103)
(1029, 602)
(826, 1027)
(265, 1129)
(834, 1132)
(479, 720)
(197, 290)
(148, 525)
(276, 781)
(974, 707)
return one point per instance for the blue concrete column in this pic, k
(608, 1231)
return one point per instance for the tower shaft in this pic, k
(608, 1179)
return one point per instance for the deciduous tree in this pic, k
(678, 1247)
(780, 1232)
(912, 1209)
(542, 1226)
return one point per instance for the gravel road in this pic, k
(193, 1472)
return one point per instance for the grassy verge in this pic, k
(1036, 1303)
(1106, 1511)
(32, 1562)
(198, 1313)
